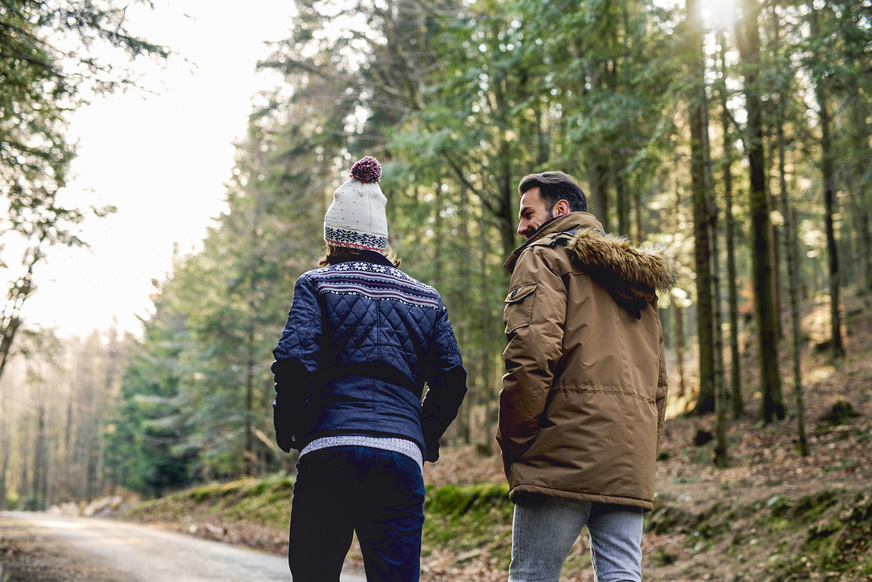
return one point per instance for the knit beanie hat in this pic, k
(356, 218)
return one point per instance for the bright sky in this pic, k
(162, 159)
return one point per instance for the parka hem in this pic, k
(520, 490)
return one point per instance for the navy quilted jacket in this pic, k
(362, 339)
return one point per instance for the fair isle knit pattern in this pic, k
(377, 282)
(357, 240)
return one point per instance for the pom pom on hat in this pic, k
(356, 218)
(366, 169)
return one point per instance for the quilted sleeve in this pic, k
(447, 386)
(295, 365)
(301, 337)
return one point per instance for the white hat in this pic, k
(356, 218)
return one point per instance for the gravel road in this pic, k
(41, 547)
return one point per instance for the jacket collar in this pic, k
(370, 257)
(571, 221)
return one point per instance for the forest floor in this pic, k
(770, 515)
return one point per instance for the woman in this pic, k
(361, 341)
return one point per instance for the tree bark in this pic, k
(861, 191)
(637, 208)
(748, 34)
(464, 417)
(701, 220)
(488, 394)
(599, 191)
(623, 199)
(737, 406)
(680, 348)
(721, 457)
(791, 245)
(4, 455)
(837, 348)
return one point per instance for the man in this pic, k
(584, 394)
(361, 341)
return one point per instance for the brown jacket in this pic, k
(584, 394)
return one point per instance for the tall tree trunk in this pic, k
(488, 396)
(860, 203)
(637, 208)
(702, 237)
(69, 444)
(791, 245)
(623, 199)
(439, 241)
(4, 451)
(680, 349)
(45, 461)
(248, 453)
(598, 173)
(596, 160)
(438, 226)
(737, 406)
(464, 417)
(862, 191)
(24, 456)
(828, 177)
(861, 207)
(507, 200)
(776, 275)
(838, 348)
(721, 458)
(860, 185)
(748, 35)
(37, 501)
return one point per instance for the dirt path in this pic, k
(54, 548)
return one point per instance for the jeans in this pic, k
(379, 494)
(545, 528)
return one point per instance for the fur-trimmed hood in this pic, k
(649, 267)
(632, 275)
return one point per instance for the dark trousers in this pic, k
(341, 490)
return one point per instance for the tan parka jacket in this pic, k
(584, 394)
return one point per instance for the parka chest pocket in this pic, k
(518, 310)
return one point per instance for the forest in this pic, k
(738, 135)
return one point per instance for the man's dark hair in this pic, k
(554, 187)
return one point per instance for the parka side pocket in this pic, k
(518, 310)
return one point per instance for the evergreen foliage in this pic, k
(459, 100)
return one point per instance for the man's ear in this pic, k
(561, 208)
